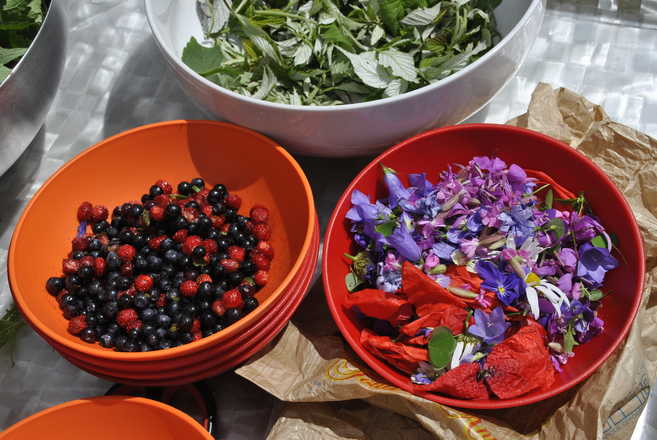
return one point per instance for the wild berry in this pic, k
(126, 252)
(229, 265)
(99, 267)
(155, 242)
(80, 243)
(232, 299)
(99, 213)
(143, 283)
(218, 308)
(261, 277)
(191, 243)
(126, 318)
(259, 214)
(157, 213)
(262, 231)
(236, 253)
(70, 266)
(84, 212)
(188, 288)
(261, 261)
(265, 248)
(234, 201)
(180, 235)
(77, 324)
(164, 186)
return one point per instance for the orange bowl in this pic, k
(104, 418)
(120, 169)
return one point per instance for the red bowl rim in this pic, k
(334, 222)
(187, 348)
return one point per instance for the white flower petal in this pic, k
(607, 239)
(467, 350)
(532, 299)
(456, 356)
(556, 290)
(555, 299)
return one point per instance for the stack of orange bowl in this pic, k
(118, 170)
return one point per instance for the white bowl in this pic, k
(353, 129)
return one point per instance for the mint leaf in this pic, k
(441, 347)
(202, 60)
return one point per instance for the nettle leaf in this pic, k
(7, 55)
(260, 39)
(267, 83)
(422, 16)
(391, 12)
(326, 18)
(201, 59)
(4, 73)
(396, 87)
(302, 54)
(377, 34)
(352, 281)
(400, 63)
(441, 347)
(599, 241)
(368, 69)
(216, 14)
(333, 34)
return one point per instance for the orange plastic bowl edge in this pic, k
(455, 144)
(188, 127)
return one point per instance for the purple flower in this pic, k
(548, 268)
(517, 177)
(388, 279)
(489, 327)
(469, 247)
(494, 164)
(403, 242)
(585, 227)
(361, 209)
(506, 285)
(568, 259)
(585, 330)
(594, 262)
(431, 261)
(396, 190)
(444, 250)
(420, 183)
(565, 283)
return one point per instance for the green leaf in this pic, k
(569, 340)
(196, 188)
(386, 228)
(441, 347)
(549, 199)
(4, 73)
(333, 34)
(202, 60)
(391, 12)
(10, 323)
(557, 226)
(595, 295)
(422, 16)
(368, 69)
(400, 63)
(146, 218)
(352, 281)
(599, 241)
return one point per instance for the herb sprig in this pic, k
(10, 323)
(327, 52)
(19, 22)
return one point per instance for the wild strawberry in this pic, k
(259, 214)
(261, 277)
(70, 266)
(99, 266)
(190, 244)
(265, 248)
(210, 246)
(77, 324)
(188, 288)
(126, 318)
(207, 210)
(197, 335)
(261, 261)
(127, 268)
(84, 212)
(196, 325)
(80, 243)
(229, 265)
(164, 186)
(224, 228)
(203, 278)
(154, 243)
(126, 252)
(180, 235)
(143, 283)
(87, 260)
(232, 299)
(234, 201)
(161, 300)
(162, 200)
(236, 253)
(157, 213)
(217, 220)
(262, 231)
(99, 213)
(218, 308)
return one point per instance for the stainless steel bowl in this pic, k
(26, 94)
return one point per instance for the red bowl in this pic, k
(432, 152)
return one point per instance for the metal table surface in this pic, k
(115, 79)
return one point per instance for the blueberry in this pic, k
(77, 255)
(95, 245)
(163, 321)
(185, 322)
(193, 205)
(113, 329)
(221, 188)
(199, 252)
(186, 338)
(214, 196)
(218, 208)
(152, 340)
(136, 210)
(250, 304)
(208, 320)
(95, 288)
(126, 236)
(155, 191)
(173, 295)
(148, 329)
(235, 278)
(248, 268)
(212, 234)
(184, 188)
(180, 223)
(204, 304)
(154, 262)
(140, 239)
(54, 285)
(205, 289)
(72, 283)
(112, 232)
(148, 315)
(100, 227)
(165, 343)
(140, 263)
(120, 342)
(198, 182)
(102, 317)
(191, 275)
(246, 290)
(123, 283)
(106, 340)
(192, 309)
(204, 224)
(71, 311)
(172, 256)
(88, 335)
(232, 315)
(143, 347)
(194, 229)
(140, 301)
(167, 243)
(172, 211)
(125, 301)
(134, 334)
(161, 332)
(91, 320)
(208, 332)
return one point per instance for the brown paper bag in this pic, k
(310, 362)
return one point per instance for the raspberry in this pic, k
(217, 220)
(190, 244)
(143, 283)
(80, 243)
(87, 260)
(203, 278)
(127, 268)
(134, 324)
(180, 235)
(154, 243)
(236, 253)
(261, 277)
(165, 186)
(232, 299)
(190, 214)
(127, 318)
(157, 213)
(259, 214)
(162, 300)
(265, 248)
(126, 252)
(207, 210)
(196, 326)
(99, 213)
(229, 265)
(262, 231)
(234, 201)
(162, 201)
(261, 261)
(188, 288)
(70, 266)
(77, 324)
(210, 246)
(84, 212)
(218, 308)
(99, 266)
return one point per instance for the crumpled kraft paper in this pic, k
(310, 363)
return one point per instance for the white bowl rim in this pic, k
(339, 107)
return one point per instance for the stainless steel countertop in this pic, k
(115, 79)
